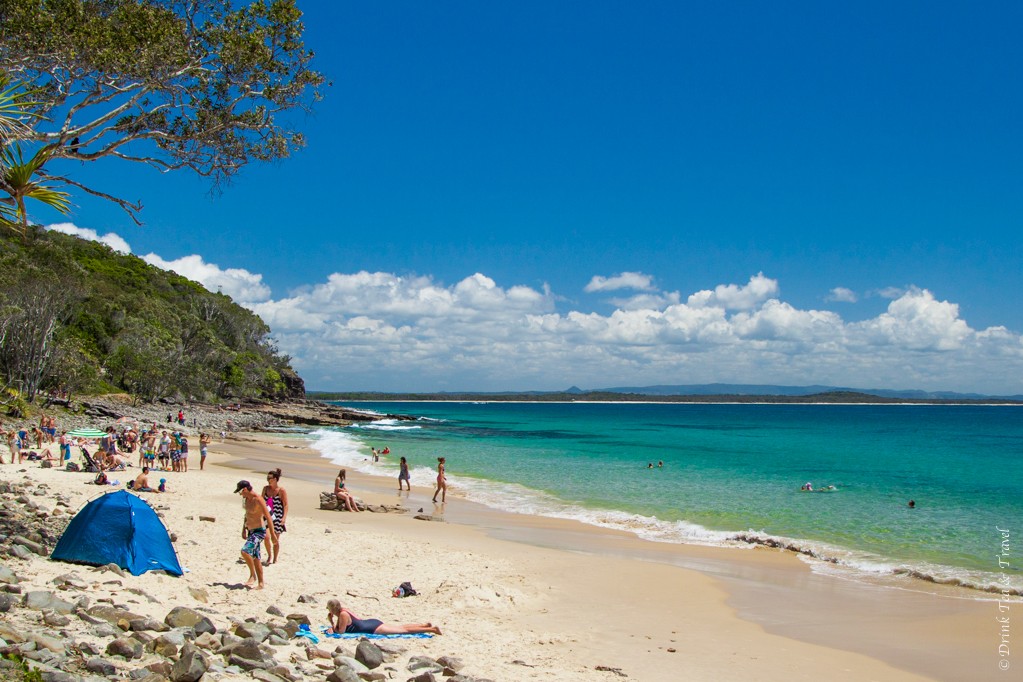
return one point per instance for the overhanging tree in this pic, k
(174, 84)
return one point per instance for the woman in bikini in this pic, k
(442, 482)
(276, 499)
(343, 620)
(344, 497)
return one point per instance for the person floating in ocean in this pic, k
(807, 487)
(660, 463)
(343, 620)
(912, 504)
(442, 482)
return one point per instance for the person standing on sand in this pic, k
(442, 482)
(204, 444)
(258, 525)
(403, 475)
(277, 502)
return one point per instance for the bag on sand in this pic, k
(404, 590)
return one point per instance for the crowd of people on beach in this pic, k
(167, 450)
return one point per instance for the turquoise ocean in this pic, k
(732, 473)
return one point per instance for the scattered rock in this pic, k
(369, 654)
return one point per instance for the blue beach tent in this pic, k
(118, 528)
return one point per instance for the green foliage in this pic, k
(139, 329)
(202, 85)
(25, 673)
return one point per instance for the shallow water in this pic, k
(731, 469)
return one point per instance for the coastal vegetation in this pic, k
(76, 316)
(200, 86)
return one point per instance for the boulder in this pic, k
(40, 600)
(256, 631)
(111, 614)
(190, 667)
(369, 654)
(182, 616)
(343, 674)
(328, 501)
(125, 647)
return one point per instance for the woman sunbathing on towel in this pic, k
(343, 620)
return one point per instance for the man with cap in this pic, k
(258, 524)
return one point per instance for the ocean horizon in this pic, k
(726, 474)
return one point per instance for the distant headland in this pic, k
(693, 393)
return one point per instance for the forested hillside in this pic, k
(76, 316)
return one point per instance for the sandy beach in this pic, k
(522, 598)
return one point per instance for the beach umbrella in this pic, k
(86, 433)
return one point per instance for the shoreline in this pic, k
(767, 587)
(519, 597)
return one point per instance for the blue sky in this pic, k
(533, 195)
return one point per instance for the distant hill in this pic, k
(712, 393)
(769, 389)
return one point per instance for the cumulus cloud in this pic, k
(243, 286)
(383, 331)
(626, 280)
(114, 241)
(736, 297)
(842, 295)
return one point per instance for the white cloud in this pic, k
(644, 301)
(842, 295)
(243, 286)
(735, 297)
(893, 292)
(114, 241)
(378, 330)
(626, 280)
(383, 331)
(917, 321)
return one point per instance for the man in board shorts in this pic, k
(258, 524)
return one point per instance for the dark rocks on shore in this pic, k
(216, 418)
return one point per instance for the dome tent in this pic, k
(118, 528)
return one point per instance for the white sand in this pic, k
(560, 613)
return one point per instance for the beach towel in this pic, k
(360, 635)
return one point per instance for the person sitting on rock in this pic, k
(344, 498)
